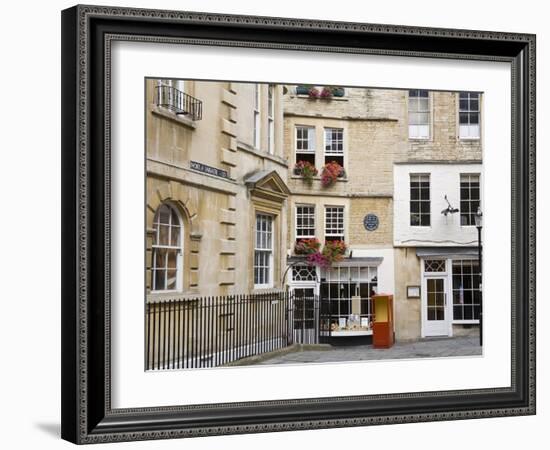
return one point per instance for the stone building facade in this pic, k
(437, 191)
(366, 127)
(226, 207)
(215, 171)
(394, 140)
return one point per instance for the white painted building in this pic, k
(434, 217)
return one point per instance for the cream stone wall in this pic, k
(372, 138)
(444, 143)
(355, 210)
(218, 214)
(407, 311)
(372, 141)
(381, 207)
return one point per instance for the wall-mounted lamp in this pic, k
(449, 208)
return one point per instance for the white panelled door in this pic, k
(435, 311)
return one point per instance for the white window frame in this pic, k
(257, 134)
(178, 248)
(266, 237)
(340, 222)
(473, 209)
(347, 275)
(451, 276)
(420, 176)
(270, 118)
(469, 131)
(419, 131)
(180, 85)
(310, 138)
(333, 152)
(310, 215)
(176, 84)
(311, 133)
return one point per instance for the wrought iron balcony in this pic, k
(178, 102)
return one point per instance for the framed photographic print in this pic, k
(255, 198)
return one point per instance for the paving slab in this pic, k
(424, 348)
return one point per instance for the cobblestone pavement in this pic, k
(425, 348)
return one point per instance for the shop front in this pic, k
(335, 303)
(450, 291)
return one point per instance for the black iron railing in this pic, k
(179, 102)
(213, 331)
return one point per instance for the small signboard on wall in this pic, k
(208, 169)
(413, 291)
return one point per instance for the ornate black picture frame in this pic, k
(87, 34)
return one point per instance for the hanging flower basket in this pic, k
(307, 246)
(334, 251)
(317, 259)
(331, 172)
(314, 92)
(338, 91)
(306, 170)
(302, 89)
(326, 93)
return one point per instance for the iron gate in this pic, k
(303, 317)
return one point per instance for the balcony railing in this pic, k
(178, 102)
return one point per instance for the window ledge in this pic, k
(158, 297)
(261, 153)
(267, 290)
(166, 113)
(326, 99)
(299, 177)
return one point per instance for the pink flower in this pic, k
(307, 246)
(314, 92)
(331, 171)
(317, 259)
(326, 92)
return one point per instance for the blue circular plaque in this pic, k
(370, 222)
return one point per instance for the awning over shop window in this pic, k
(446, 252)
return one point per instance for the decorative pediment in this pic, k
(267, 185)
